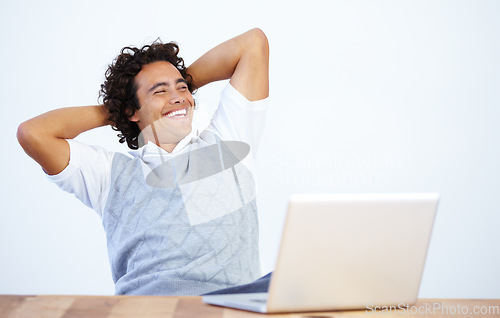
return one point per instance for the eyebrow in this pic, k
(155, 86)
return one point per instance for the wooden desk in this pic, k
(183, 307)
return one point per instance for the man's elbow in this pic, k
(27, 135)
(259, 42)
(23, 135)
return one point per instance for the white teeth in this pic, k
(180, 112)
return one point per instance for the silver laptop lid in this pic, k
(351, 251)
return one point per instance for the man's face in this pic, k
(166, 104)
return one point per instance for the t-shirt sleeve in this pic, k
(87, 175)
(237, 118)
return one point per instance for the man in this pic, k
(179, 213)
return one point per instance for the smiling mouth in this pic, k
(176, 113)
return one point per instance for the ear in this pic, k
(134, 117)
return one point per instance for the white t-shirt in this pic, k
(88, 173)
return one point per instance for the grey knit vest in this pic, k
(187, 227)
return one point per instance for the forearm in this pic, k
(43, 137)
(248, 52)
(67, 123)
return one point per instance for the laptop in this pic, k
(346, 251)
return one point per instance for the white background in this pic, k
(367, 96)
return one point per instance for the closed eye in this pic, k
(160, 91)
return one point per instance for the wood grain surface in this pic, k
(182, 307)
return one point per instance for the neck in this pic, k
(151, 134)
(167, 147)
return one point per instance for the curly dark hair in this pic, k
(118, 92)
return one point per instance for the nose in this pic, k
(177, 99)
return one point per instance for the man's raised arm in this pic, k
(43, 137)
(243, 59)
